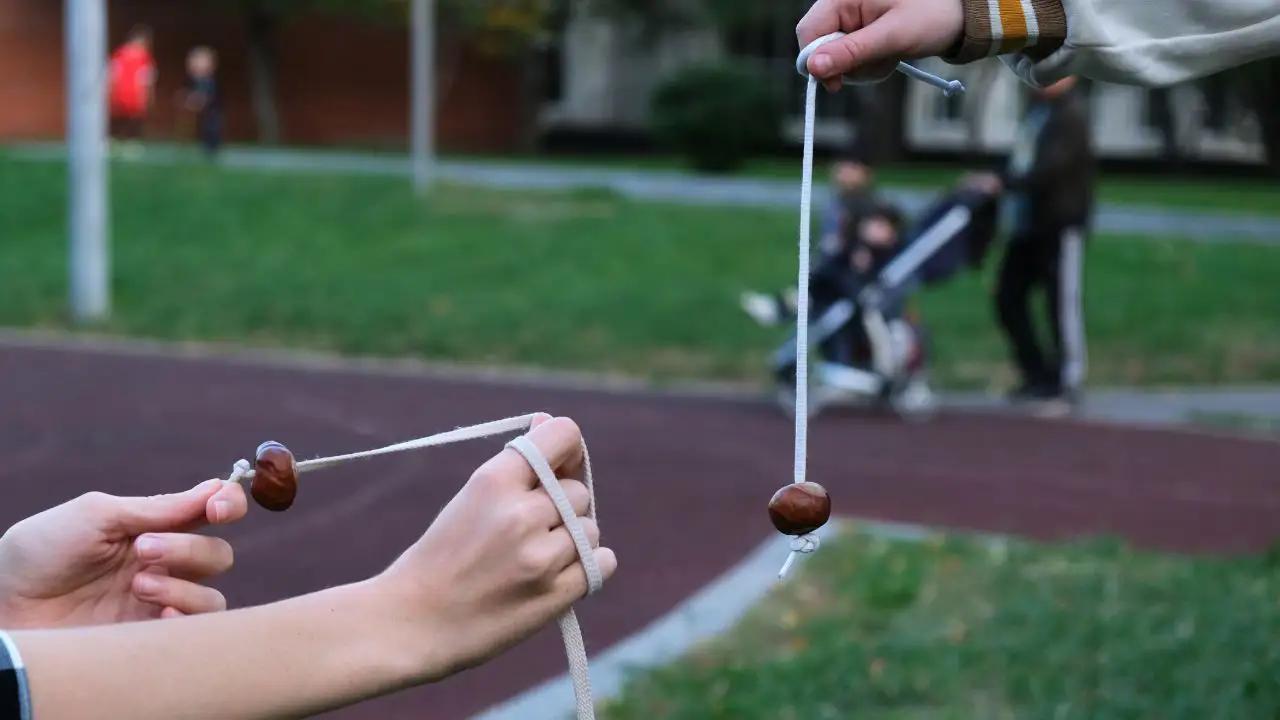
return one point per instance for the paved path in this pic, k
(686, 188)
(683, 480)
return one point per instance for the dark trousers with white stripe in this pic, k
(1049, 262)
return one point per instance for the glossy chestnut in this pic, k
(800, 508)
(275, 478)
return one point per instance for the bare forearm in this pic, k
(293, 658)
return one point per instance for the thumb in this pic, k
(175, 512)
(878, 43)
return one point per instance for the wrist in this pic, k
(1001, 27)
(386, 635)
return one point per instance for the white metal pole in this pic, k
(85, 37)
(423, 79)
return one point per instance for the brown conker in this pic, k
(800, 508)
(275, 477)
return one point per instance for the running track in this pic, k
(683, 482)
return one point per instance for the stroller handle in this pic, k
(903, 266)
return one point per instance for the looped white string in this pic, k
(570, 630)
(948, 87)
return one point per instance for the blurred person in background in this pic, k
(200, 96)
(853, 197)
(853, 194)
(131, 88)
(1048, 187)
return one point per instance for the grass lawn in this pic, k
(586, 281)
(1215, 194)
(1254, 197)
(956, 629)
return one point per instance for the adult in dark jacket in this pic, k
(1049, 197)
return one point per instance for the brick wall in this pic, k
(340, 82)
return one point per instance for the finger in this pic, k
(882, 40)
(176, 512)
(184, 596)
(558, 439)
(227, 505)
(187, 556)
(543, 508)
(538, 419)
(579, 498)
(562, 548)
(823, 18)
(571, 584)
(170, 613)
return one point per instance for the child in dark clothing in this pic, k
(201, 97)
(853, 194)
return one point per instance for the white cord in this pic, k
(570, 630)
(806, 544)
(802, 285)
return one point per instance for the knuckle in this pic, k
(532, 563)
(525, 516)
(484, 477)
(95, 501)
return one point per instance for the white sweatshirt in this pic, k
(1133, 42)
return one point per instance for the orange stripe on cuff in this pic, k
(1013, 26)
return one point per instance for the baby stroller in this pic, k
(869, 344)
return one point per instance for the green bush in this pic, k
(716, 116)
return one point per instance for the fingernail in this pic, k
(150, 548)
(146, 585)
(822, 63)
(221, 510)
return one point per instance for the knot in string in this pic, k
(805, 544)
(800, 545)
(240, 471)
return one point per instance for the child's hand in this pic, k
(880, 34)
(983, 182)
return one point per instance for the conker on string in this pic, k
(800, 508)
(275, 478)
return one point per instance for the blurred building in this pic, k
(1208, 123)
(340, 81)
(604, 82)
(337, 81)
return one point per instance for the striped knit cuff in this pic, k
(1035, 28)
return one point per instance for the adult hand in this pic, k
(497, 564)
(880, 33)
(102, 559)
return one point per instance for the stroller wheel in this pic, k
(916, 401)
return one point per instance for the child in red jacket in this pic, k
(133, 77)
